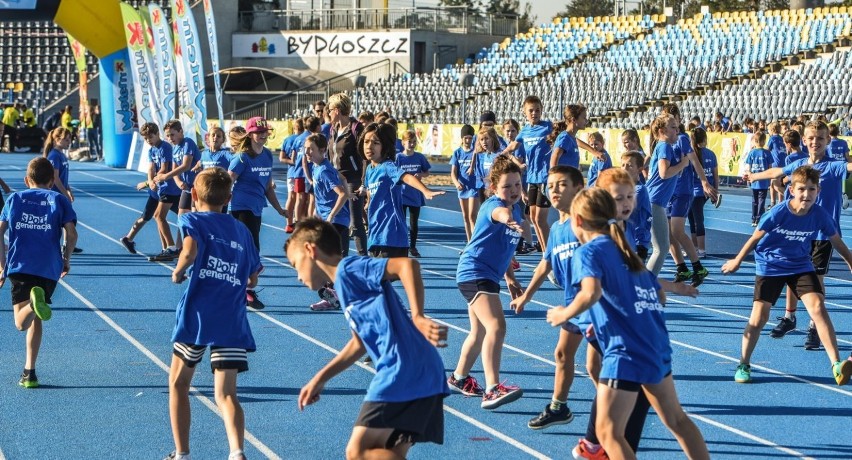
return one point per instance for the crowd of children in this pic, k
(352, 179)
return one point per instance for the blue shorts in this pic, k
(679, 206)
(466, 193)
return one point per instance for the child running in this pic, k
(416, 164)
(563, 183)
(35, 219)
(782, 254)
(625, 305)
(483, 262)
(464, 178)
(404, 402)
(211, 312)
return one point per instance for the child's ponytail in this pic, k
(596, 208)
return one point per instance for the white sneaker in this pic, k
(552, 277)
(845, 201)
(323, 305)
(702, 254)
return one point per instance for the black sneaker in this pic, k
(812, 340)
(77, 250)
(252, 300)
(467, 386)
(413, 252)
(683, 276)
(524, 249)
(537, 247)
(784, 326)
(128, 244)
(698, 276)
(548, 418)
(28, 380)
(167, 255)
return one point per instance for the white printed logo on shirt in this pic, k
(32, 222)
(220, 270)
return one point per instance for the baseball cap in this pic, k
(256, 125)
(488, 116)
(467, 130)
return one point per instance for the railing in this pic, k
(447, 19)
(294, 103)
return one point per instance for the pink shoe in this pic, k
(587, 450)
(323, 305)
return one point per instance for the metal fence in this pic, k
(448, 19)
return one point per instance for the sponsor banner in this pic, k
(123, 96)
(184, 113)
(214, 55)
(135, 34)
(165, 60)
(151, 64)
(79, 53)
(345, 44)
(193, 68)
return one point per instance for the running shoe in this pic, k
(500, 395)
(467, 386)
(252, 300)
(289, 228)
(702, 253)
(167, 255)
(682, 276)
(842, 371)
(552, 278)
(784, 326)
(524, 249)
(39, 305)
(812, 340)
(743, 374)
(718, 201)
(328, 294)
(77, 250)
(413, 252)
(29, 380)
(537, 246)
(698, 277)
(754, 224)
(516, 266)
(128, 244)
(845, 204)
(324, 305)
(587, 450)
(548, 418)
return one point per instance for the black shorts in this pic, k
(537, 195)
(470, 290)
(220, 357)
(625, 385)
(185, 202)
(151, 208)
(768, 288)
(387, 252)
(23, 283)
(821, 251)
(170, 199)
(420, 420)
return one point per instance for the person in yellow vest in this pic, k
(66, 118)
(10, 121)
(28, 117)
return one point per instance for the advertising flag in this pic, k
(214, 55)
(165, 56)
(135, 35)
(193, 69)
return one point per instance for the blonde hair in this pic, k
(213, 186)
(341, 102)
(596, 208)
(614, 176)
(491, 133)
(56, 135)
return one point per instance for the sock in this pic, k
(235, 454)
(790, 314)
(556, 405)
(696, 266)
(459, 377)
(681, 268)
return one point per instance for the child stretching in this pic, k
(782, 256)
(625, 306)
(483, 262)
(388, 234)
(414, 163)
(464, 180)
(563, 183)
(758, 159)
(601, 162)
(639, 221)
(35, 219)
(168, 193)
(211, 312)
(404, 402)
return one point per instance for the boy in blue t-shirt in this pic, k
(414, 163)
(224, 262)
(599, 164)
(288, 155)
(35, 219)
(838, 149)
(404, 402)
(639, 221)
(168, 193)
(758, 159)
(782, 244)
(186, 155)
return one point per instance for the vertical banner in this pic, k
(79, 53)
(214, 56)
(194, 70)
(148, 52)
(135, 35)
(116, 108)
(165, 68)
(184, 109)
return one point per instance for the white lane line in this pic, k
(266, 451)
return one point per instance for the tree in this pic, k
(586, 8)
(526, 20)
(692, 7)
(470, 5)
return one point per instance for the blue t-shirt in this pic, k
(570, 150)
(461, 159)
(596, 167)
(36, 217)
(287, 148)
(414, 164)
(298, 145)
(534, 140)
(794, 157)
(561, 243)
(212, 310)
(220, 158)
(661, 190)
(684, 179)
(776, 147)
(408, 367)
(253, 176)
(160, 155)
(384, 213)
(786, 247)
(186, 147)
(628, 319)
(60, 164)
(491, 246)
(759, 160)
(639, 221)
(830, 198)
(325, 197)
(837, 149)
(325, 130)
(708, 159)
(484, 162)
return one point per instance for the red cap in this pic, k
(257, 125)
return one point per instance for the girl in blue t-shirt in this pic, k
(484, 261)
(57, 141)
(625, 304)
(464, 179)
(599, 163)
(216, 154)
(484, 152)
(696, 210)
(758, 159)
(251, 171)
(414, 163)
(639, 221)
(388, 232)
